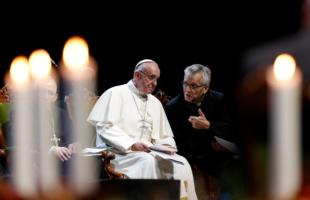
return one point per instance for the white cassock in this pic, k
(123, 117)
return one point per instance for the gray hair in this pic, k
(201, 69)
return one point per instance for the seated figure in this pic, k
(202, 127)
(131, 120)
(60, 147)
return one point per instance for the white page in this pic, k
(168, 157)
(90, 150)
(227, 144)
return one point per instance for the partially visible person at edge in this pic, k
(130, 119)
(59, 125)
(65, 148)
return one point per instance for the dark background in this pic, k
(175, 35)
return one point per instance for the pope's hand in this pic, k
(139, 146)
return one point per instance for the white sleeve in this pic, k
(106, 117)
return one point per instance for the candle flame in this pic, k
(75, 53)
(284, 67)
(40, 64)
(19, 70)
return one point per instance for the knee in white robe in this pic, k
(142, 165)
(137, 165)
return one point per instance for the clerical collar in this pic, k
(135, 90)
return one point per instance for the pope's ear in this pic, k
(137, 75)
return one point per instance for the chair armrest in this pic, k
(108, 167)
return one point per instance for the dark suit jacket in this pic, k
(195, 144)
(65, 126)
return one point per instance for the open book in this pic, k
(93, 151)
(170, 157)
(227, 144)
(163, 149)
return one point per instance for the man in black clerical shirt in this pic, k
(198, 118)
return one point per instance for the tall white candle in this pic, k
(40, 66)
(284, 82)
(76, 60)
(22, 129)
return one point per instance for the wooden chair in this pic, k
(163, 97)
(4, 94)
(108, 167)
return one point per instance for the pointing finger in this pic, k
(201, 113)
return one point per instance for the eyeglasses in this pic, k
(191, 86)
(149, 77)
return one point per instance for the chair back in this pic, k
(163, 97)
(4, 114)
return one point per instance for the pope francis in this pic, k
(130, 119)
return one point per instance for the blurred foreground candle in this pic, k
(22, 129)
(284, 82)
(77, 62)
(40, 67)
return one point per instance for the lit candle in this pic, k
(22, 129)
(40, 66)
(284, 81)
(76, 60)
